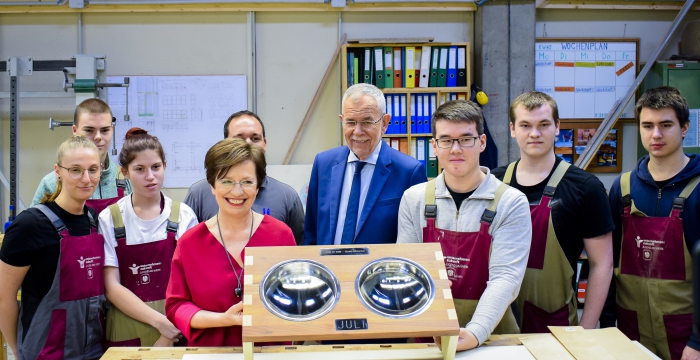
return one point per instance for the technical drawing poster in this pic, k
(586, 77)
(186, 113)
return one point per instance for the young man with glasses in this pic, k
(569, 210)
(93, 119)
(482, 225)
(355, 190)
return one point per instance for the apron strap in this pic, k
(57, 223)
(119, 231)
(556, 178)
(174, 217)
(430, 211)
(509, 173)
(490, 211)
(625, 189)
(679, 202)
(121, 184)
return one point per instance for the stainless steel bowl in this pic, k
(395, 287)
(299, 290)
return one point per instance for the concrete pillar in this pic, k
(504, 64)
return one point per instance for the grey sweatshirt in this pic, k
(511, 230)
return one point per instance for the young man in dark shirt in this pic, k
(656, 208)
(569, 211)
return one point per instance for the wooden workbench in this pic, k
(177, 353)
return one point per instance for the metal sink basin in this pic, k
(395, 287)
(299, 290)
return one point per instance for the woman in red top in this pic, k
(204, 296)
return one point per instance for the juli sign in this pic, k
(351, 324)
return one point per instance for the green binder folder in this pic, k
(388, 67)
(432, 167)
(434, 66)
(442, 67)
(377, 54)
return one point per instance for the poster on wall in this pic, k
(586, 76)
(186, 113)
(691, 137)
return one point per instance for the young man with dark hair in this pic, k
(656, 209)
(569, 211)
(483, 225)
(93, 119)
(274, 198)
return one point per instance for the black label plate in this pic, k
(351, 324)
(345, 251)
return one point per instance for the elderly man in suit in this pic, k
(355, 190)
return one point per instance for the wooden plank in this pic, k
(120, 353)
(612, 5)
(580, 344)
(241, 7)
(433, 321)
(617, 344)
(383, 41)
(304, 122)
(545, 347)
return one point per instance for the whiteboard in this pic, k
(186, 113)
(584, 77)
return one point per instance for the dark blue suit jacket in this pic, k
(393, 174)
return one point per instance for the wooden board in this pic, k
(261, 325)
(617, 344)
(580, 343)
(545, 347)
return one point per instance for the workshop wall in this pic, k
(650, 26)
(293, 52)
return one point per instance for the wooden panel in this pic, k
(617, 344)
(266, 326)
(545, 347)
(579, 343)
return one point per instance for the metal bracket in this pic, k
(53, 123)
(20, 65)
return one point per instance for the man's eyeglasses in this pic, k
(76, 172)
(464, 142)
(350, 124)
(229, 184)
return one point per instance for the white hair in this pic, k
(366, 89)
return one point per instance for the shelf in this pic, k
(425, 90)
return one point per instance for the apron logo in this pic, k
(134, 269)
(649, 245)
(144, 272)
(88, 264)
(450, 273)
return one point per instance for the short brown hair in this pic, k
(458, 111)
(532, 100)
(661, 98)
(137, 140)
(91, 106)
(230, 152)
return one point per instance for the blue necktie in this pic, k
(353, 206)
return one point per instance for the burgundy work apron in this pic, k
(467, 257)
(101, 204)
(654, 287)
(144, 269)
(67, 324)
(546, 296)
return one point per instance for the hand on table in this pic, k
(467, 340)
